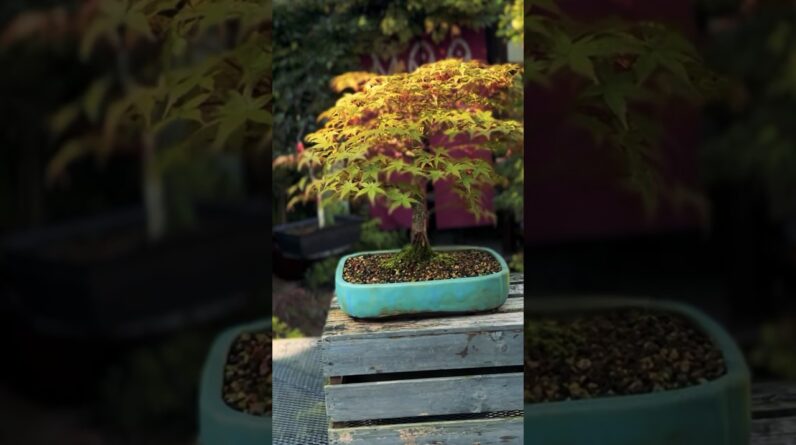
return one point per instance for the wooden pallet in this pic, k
(445, 380)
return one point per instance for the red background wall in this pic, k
(572, 188)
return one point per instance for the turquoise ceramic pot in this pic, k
(714, 413)
(472, 294)
(218, 423)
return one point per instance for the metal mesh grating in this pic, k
(299, 408)
(494, 415)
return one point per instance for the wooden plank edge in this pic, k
(490, 431)
(469, 394)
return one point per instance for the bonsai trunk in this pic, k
(152, 183)
(319, 206)
(420, 248)
(151, 180)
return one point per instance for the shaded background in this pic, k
(104, 333)
(122, 366)
(730, 250)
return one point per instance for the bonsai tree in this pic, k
(184, 78)
(407, 124)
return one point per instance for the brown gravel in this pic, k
(247, 374)
(621, 352)
(369, 269)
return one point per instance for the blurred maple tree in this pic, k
(184, 76)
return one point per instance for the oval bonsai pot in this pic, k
(457, 295)
(717, 412)
(220, 424)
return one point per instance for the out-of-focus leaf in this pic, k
(64, 118)
(92, 101)
(70, 151)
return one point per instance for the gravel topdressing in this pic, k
(247, 374)
(369, 269)
(621, 352)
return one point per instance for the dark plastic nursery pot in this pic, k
(219, 424)
(716, 413)
(303, 239)
(99, 277)
(472, 294)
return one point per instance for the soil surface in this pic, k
(247, 374)
(370, 269)
(623, 352)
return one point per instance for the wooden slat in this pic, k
(351, 347)
(774, 431)
(505, 431)
(773, 398)
(516, 290)
(340, 326)
(425, 397)
(477, 349)
(516, 277)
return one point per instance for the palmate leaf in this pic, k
(65, 117)
(137, 21)
(68, 152)
(110, 16)
(236, 112)
(92, 100)
(399, 198)
(348, 188)
(616, 102)
(371, 190)
(189, 111)
(581, 64)
(113, 117)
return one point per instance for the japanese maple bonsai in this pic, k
(408, 125)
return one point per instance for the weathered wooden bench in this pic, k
(349, 383)
(426, 379)
(773, 403)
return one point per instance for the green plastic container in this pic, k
(714, 413)
(473, 294)
(218, 423)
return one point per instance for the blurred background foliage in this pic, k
(26, 144)
(173, 84)
(750, 149)
(150, 71)
(752, 137)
